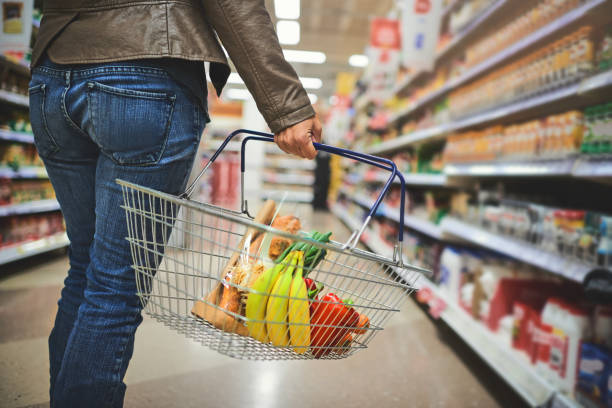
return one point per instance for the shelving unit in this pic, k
(31, 207)
(14, 98)
(31, 248)
(570, 96)
(509, 364)
(16, 136)
(520, 250)
(26, 249)
(23, 172)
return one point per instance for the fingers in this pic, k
(298, 138)
(317, 130)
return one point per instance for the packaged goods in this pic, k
(602, 326)
(554, 65)
(594, 373)
(555, 136)
(598, 130)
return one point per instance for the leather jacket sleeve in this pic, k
(247, 33)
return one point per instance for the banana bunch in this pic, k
(277, 310)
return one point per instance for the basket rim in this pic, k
(235, 216)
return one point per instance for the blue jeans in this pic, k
(93, 124)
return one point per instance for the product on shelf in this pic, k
(468, 10)
(555, 136)
(22, 191)
(598, 130)
(16, 121)
(595, 376)
(16, 155)
(584, 236)
(554, 65)
(535, 15)
(24, 228)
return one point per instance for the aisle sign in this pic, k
(15, 25)
(383, 53)
(420, 28)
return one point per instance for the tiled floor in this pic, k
(415, 362)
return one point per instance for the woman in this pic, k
(118, 90)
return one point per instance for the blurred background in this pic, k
(499, 115)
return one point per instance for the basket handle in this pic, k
(376, 161)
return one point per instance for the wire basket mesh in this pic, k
(181, 250)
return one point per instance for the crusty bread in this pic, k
(288, 223)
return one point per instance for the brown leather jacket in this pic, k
(90, 31)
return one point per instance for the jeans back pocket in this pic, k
(45, 143)
(130, 126)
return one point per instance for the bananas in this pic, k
(257, 301)
(276, 312)
(299, 312)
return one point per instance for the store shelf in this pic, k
(21, 69)
(506, 362)
(561, 167)
(292, 196)
(16, 136)
(289, 179)
(232, 146)
(27, 249)
(472, 27)
(23, 172)
(14, 98)
(416, 223)
(570, 18)
(595, 167)
(520, 250)
(575, 91)
(291, 164)
(415, 179)
(29, 207)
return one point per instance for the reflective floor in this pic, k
(414, 362)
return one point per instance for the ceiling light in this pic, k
(313, 98)
(311, 83)
(288, 32)
(307, 82)
(308, 57)
(237, 94)
(289, 9)
(358, 60)
(234, 78)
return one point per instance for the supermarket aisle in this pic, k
(412, 363)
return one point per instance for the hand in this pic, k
(298, 138)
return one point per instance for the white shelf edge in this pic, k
(289, 179)
(14, 98)
(27, 249)
(31, 207)
(586, 85)
(519, 250)
(424, 226)
(24, 172)
(16, 136)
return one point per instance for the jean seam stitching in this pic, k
(156, 96)
(55, 147)
(66, 116)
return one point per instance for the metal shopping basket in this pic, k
(182, 251)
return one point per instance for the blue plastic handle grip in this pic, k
(376, 161)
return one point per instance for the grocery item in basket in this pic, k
(298, 312)
(278, 303)
(287, 223)
(222, 304)
(330, 311)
